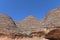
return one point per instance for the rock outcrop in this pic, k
(7, 25)
(31, 27)
(52, 19)
(29, 24)
(53, 35)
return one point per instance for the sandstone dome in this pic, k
(29, 24)
(7, 24)
(52, 19)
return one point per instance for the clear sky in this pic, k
(19, 9)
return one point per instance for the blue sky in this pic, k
(19, 9)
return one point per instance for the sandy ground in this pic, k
(34, 38)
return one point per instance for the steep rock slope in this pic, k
(52, 19)
(29, 24)
(7, 25)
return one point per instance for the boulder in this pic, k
(53, 35)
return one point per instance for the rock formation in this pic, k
(31, 26)
(7, 25)
(52, 19)
(53, 35)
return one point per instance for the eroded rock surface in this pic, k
(31, 28)
(7, 25)
(52, 19)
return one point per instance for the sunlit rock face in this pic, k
(7, 24)
(29, 24)
(52, 19)
(30, 27)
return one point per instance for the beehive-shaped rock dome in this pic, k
(7, 24)
(52, 19)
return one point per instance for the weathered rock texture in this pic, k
(31, 27)
(29, 24)
(53, 35)
(7, 25)
(52, 19)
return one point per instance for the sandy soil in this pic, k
(34, 38)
